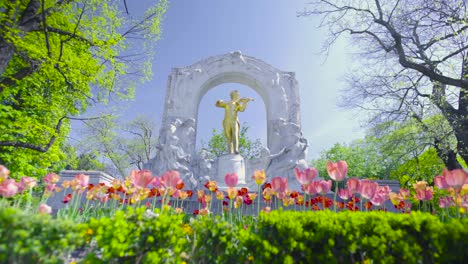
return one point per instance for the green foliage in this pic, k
(390, 151)
(33, 238)
(217, 241)
(424, 167)
(349, 237)
(57, 58)
(249, 148)
(135, 237)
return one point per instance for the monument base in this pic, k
(230, 163)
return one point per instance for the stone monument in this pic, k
(286, 147)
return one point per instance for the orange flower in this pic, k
(420, 185)
(267, 193)
(211, 185)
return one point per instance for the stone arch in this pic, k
(186, 87)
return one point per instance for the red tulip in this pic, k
(306, 176)
(67, 198)
(231, 179)
(337, 171)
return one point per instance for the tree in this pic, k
(248, 148)
(417, 55)
(390, 150)
(121, 147)
(56, 58)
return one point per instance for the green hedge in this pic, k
(34, 238)
(349, 237)
(279, 237)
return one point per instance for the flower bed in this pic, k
(142, 219)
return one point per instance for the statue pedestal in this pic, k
(230, 163)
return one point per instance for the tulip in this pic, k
(4, 172)
(279, 185)
(337, 171)
(51, 178)
(420, 185)
(211, 185)
(82, 180)
(455, 178)
(445, 202)
(232, 192)
(344, 194)
(306, 176)
(259, 177)
(171, 179)
(440, 182)
(381, 195)
(26, 183)
(8, 188)
(67, 198)
(141, 179)
(368, 189)
(325, 186)
(354, 185)
(45, 209)
(310, 189)
(231, 179)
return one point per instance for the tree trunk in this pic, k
(6, 54)
(448, 156)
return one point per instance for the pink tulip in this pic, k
(156, 182)
(279, 185)
(231, 179)
(445, 202)
(344, 194)
(381, 195)
(51, 178)
(337, 171)
(171, 179)
(424, 195)
(368, 189)
(455, 178)
(323, 187)
(310, 189)
(45, 209)
(141, 179)
(4, 172)
(8, 188)
(440, 182)
(354, 185)
(26, 183)
(82, 179)
(306, 176)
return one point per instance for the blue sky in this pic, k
(268, 30)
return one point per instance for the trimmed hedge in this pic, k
(135, 236)
(34, 238)
(349, 237)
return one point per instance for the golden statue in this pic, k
(231, 124)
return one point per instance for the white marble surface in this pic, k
(185, 88)
(230, 163)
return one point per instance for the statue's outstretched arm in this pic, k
(220, 103)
